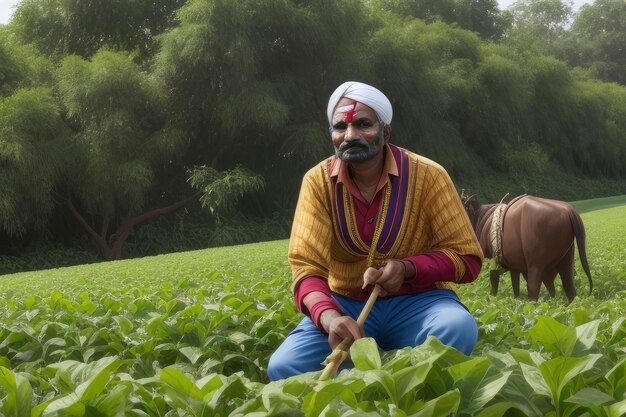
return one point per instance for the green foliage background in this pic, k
(117, 108)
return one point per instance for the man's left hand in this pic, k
(390, 277)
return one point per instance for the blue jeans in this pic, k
(394, 323)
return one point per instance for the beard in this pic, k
(359, 150)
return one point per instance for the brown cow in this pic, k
(536, 239)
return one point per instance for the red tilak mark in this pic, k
(349, 115)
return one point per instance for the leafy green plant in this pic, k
(191, 334)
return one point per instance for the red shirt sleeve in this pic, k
(327, 302)
(435, 266)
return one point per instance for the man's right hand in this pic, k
(339, 327)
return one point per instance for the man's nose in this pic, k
(352, 133)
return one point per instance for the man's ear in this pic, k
(387, 133)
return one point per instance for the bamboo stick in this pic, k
(340, 353)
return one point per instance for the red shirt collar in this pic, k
(339, 168)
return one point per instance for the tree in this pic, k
(121, 134)
(426, 70)
(222, 190)
(481, 16)
(33, 144)
(10, 70)
(598, 40)
(249, 81)
(81, 27)
(540, 25)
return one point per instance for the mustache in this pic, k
(357, 143)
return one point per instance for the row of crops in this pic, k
(190, 334)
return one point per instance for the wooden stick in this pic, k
(340, 353)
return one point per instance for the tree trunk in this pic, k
(114, 251)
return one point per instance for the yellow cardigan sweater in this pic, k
(420, 212)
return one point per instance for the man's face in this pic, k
(356, 133)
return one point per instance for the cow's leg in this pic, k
(566, 270)
(534, 283)
(548, 281)
(515, 282)
(494, 277)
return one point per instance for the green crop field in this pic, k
(190, 334)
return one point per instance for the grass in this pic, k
(584, 206)
(154, 327)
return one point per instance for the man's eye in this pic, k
(339, 127)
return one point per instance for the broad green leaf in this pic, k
(233, 388)
(70, 404)
(475, 394)
(13, 337)
(472, 382)
(349, 398)
(407, 380)
(323, 392)
(618, 330)
(590, 397)
(617, 379)
(382, 380)
(244, 306)
(535, 379)
(527, 357)
(506, 360)
(231, 301)
(113, 403)
(55, 341)
(30, 301)
(580, 316)
(473, 370)
(156, 327)
(492, 388)
(180, 383)
(616, 410)
(443, 405)
(172, 306)
(554, 336)
(19, 394)
(400, 361)
(274, 401)
(98, 374)
(125, 325)
(38, 410)
(587, 333)
(432, 350)
(364, 354)
(211, 365)
(239, 337)
(496, 410)
(558, 372)
(192, 353)
(297, 386)
(209, 384)
(192, 311)
(143, 348)
(5, 362)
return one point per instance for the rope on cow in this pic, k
(495, 236)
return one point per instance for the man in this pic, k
(375, 203)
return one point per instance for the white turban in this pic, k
(362, 93)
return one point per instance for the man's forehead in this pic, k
(349, 108)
